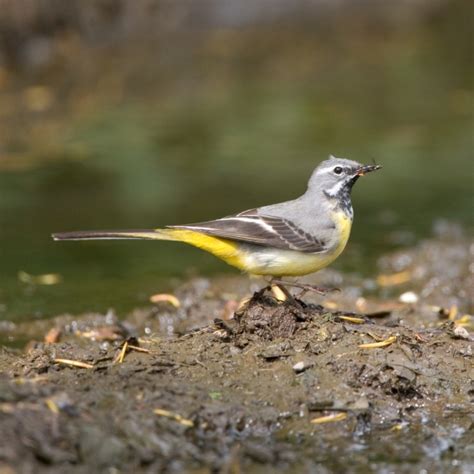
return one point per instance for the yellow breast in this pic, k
(343, 227)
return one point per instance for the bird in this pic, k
(288, 239)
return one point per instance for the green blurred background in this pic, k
(122, 114)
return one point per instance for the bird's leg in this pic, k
(303, 286)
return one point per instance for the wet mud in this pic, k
(340, 383)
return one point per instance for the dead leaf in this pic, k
(384, 343)
(167, 298)
(329, 418)
(103, 333)
(352, 319)
(121, 356)
(45, 279)
(394, 279)
(278, 293)
(174, 416)
(74, 363)
(52, 336)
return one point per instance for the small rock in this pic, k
(409, 297)
(260, 453)
(361, 404)
(461, 332)
(100, 448)
(234, 350)
(467, 352)
(301, 366)
(275, 351)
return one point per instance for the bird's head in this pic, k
(336, 176)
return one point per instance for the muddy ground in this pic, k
(376, 378)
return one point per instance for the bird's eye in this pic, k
(338, 170)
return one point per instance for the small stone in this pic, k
(302, 365)
(277, 350)
(299, 367)
(409, 297)
(95, 446)
(461, 332)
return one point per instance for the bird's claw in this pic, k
(304, 287)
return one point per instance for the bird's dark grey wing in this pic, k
(271, 231)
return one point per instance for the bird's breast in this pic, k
(343, 224)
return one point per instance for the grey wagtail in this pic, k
(291, 238)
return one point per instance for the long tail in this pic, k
(150, 234)
(225, 249)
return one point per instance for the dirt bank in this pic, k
(275, 387)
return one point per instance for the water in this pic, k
(226, 119)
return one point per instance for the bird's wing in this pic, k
(250, 226)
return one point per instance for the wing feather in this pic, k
(250, 226)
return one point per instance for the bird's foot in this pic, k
(304, 287)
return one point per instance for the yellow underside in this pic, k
(261, 260)
(225, 249)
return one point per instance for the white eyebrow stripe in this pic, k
(326, 170)
(329, 169)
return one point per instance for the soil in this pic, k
(340, 383)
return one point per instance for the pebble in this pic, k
(461, 332)
(301, 366)
(409, 297)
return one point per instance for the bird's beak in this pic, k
(367, 169)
